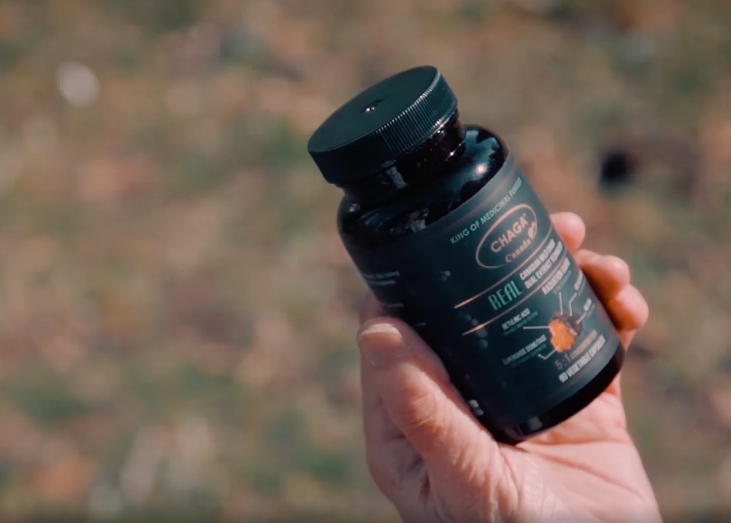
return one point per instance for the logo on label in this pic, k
(509, 239)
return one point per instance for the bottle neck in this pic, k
(413, 168)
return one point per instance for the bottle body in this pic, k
(470, 259)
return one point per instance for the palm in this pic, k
(594, 463)
(436, 463)
(587, 465)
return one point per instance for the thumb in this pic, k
(420, 400)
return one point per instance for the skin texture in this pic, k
(435, 462)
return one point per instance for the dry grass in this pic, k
(176, 312)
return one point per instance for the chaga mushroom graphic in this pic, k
(565, 330)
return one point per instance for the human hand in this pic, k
(437, 464)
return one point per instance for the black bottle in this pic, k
(450, 237)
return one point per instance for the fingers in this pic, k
(629, 309)
(571, 228)
(608, 275)
(629, 312)
(416, 393)
(610, 278)
(392, 460)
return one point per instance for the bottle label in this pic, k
(494, 291)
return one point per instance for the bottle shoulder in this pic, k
(368, 226)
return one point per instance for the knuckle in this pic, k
(423, 419)
(418, 410)
(619, 264)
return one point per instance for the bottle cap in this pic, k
(382, 123)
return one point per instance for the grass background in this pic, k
(177, 315)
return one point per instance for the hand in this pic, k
(436, 463)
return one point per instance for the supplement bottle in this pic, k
(450, 237)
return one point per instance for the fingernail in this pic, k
(382, 344)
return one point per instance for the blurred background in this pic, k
(177, 315)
